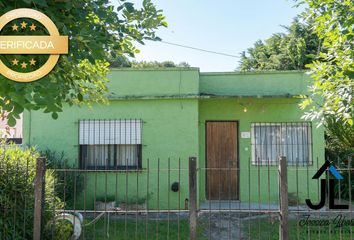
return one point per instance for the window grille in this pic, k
(271, 140)
(110, 144)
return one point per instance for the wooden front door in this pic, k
(222, 160)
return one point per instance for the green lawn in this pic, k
(140, 229)
(263, 229)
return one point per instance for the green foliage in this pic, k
(339, 138)
(340, 149)
(156, 64)
(268, 229)
(62, 229)
(119, 62)
(122, 229)
(331, 99)
(97, 32)
(283, 51)
(17, 174)
(333, 73)
(344, 188)
(125, 63)
(68, 183)
(129, 200)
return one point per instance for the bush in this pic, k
(340, 149)
(62, 230)
(339, 139)
(17, 174)
(65, 180)
(344, 189)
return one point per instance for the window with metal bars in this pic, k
(110, 144)
(271, 140)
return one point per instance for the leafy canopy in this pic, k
(97, 32)
(283, 51)
(333, 72)
(155, 64)
(125, 63)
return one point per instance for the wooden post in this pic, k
(193, 198)
(39, 186)
(283, 198)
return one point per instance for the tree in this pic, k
(283, 51)
(119, 62)
(97, 32)
(333, 72)
(156, 64)
(123, 62)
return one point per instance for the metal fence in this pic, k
(177, 199)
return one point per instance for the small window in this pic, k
(271, 140)
(110, 144)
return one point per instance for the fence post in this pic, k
(192, 198)
(283, 199)
(39, 186)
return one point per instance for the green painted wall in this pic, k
(254, 84)
(259, 110)
(153, 82)
(170, 130)
(173, 105)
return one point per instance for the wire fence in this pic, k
(177, 199)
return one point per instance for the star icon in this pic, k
(14, 62)
(14, 27)
(24, 65)
(23, 25)
(33, 27)
(32, 62)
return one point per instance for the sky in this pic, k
(227, 26)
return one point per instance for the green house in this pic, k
(235, 124)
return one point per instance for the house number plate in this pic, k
(245, 135)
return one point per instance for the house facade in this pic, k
(235, 124)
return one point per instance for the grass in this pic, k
(264, 229)
(261, 229)
(140, 229)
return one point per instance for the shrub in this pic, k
(344, 188)
(340, 149)
(62, 229)
(339, 139)
(17, 174)
(65, 180)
